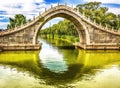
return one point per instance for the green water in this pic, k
(59, 65)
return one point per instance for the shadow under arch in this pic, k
(85, 63)
(62, 11)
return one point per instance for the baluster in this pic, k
(33, 17)
(94, 21)
(77, 9)
(51, 6)
(119, 30)
(72, 6)
(45, 9)
(58, 4)
(65, 4)
(100, 25)
(106, 27)
(83, 14)
(88, 18)
(39, 13)
(112, 29)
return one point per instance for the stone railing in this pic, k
(99, 26)
(58, 7)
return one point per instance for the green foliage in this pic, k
(18, 20)
(64, 30)
(95, 12)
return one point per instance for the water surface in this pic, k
(59, 65)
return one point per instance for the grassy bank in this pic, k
(67, 38)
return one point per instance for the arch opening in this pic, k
(60, 28)
(71, 16)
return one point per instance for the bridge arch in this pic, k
(67, 13)
(91, 34)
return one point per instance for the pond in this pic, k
(59, 65)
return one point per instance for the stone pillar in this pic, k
(100, 25)
(51, 6)
(83, 14)
(21, 25)
(94, 21)
(71, 6)
(119, 30)
(45, 9)
(15, 27)
(39, 13)
(88, 18)
(112, 29)
(106, 27)
(58, 4)
(65, 4)
(33, 17)
(77, 9)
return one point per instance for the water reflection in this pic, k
(98, 58)
(54, 66)
(52, 59)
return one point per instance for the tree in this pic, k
(62, 28)
(95, 12)
(18, 20)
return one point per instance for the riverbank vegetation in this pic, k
(66, 30)
(99, 14)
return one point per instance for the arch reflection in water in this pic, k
(52, 59)
(17, 69)
(74, 67)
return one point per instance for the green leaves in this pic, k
(62, 28)
(100, 14)
(18, 20)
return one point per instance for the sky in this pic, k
(30, 8)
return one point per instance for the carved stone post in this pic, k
(33, 17)
(94, 21)
(77, 9)
(83, 14)
(65, 4)
(39, 13)
(45, 9)
(58, 4)
(51, 6)
(100, 25)
(106, 27)
(71, 6)
(112, 29)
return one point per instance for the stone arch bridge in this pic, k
(91, 35)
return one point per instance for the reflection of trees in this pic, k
(29, 62)
(98, 58)
(23, 61)
(80, 63)
(58, 43)
(86, 61)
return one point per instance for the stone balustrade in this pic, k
(90, 32)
